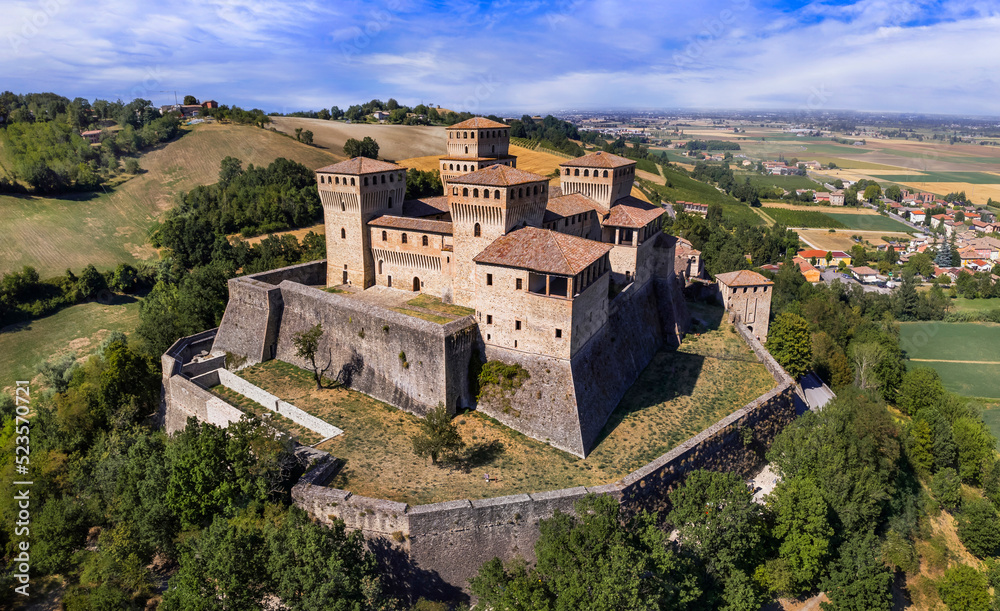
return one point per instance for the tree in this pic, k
(790, 344)
(947, 488)
(307, 136)
(866, 357)
(963, 588)
(190, 99)
(858, 579)
(894, 193)
(438, 436)
(298, 134)
(306, 346)
(599, 559)
(230, 168)
(921, 388)
(803, 529)
(979, 527)
(830, 362)
(361, 148)
(124, 278)
(323, 114)
(132, 166)
(336, 113)
(872, 191)
(976, 447)
(91, 282)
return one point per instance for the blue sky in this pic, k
(513, 57)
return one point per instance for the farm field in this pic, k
(77, 330)
(823, 208)
(394, 141)
(802, 218)
(789, 183)
(964, 354)
(678, 395)
(841, 239)
(875, 222)
(991, 416)
(961, 304)
(53, 234)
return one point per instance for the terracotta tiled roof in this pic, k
(403, 222)
(686, 248)
(426, 206)
(360, 165)
(568, 205)
(863, 270)
(632, 212)
(497, 176)
(598, 160)
(743, 277)
(477, 123)
(544, 251)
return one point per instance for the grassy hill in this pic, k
(681, 187)
(395, 141)
(53, 234)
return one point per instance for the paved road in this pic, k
(829, 275)
(817, 393)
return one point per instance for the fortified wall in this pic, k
(446, 543)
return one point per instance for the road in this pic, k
(828, 276)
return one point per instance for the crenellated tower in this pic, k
(486, 205)
(473, 145)
(603, 177)
(353, 192)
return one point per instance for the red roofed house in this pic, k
(92, 136)
(810, 273)
(820, 256)
(864, 274)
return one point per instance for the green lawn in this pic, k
(992, 419)
(77, 330)
(868, 222)
(961, 304)
(684, 188)
(802, 218)
(941, 342)
(790, 183)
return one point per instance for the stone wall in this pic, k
(181, 397)
(362, 344)
(262, 397)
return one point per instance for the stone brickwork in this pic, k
(283, 408)
(181, 397)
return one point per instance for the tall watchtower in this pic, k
(473, 145)
(747, 297)
(485, 205)
(353, 192)
(603, 177)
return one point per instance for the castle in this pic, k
(574, 283)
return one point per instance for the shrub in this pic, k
(963, 588)
(979, 527)
(947, 488)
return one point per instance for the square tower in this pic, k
(474, 145)
(603, 177)
(488, 204)
(746, 295)
(353, 192)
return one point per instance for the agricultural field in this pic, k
(874, 222)
(55, 233)
(840, 239)
(961, 304)
(394, 141)
(678, 395)
(684, 188)
(77, 331)
(789, 183)
(964, 354)
(802, 218)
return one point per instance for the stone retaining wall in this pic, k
(259, 395)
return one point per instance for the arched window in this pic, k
(496, 194)
(465, 191)
(466, 148)
(365, 183)
(352, 181)
(337, 179)
(385, 237)
(424, 241)
(576, 172)
(586, 172)
(342, 207)
(454, 190)
(605, 173)
(477, 230)
(383, 179)
(520, 192)
(343, 233)
(404, 238)
(567, 172)
(380, 266)
(475, 193)
(536, 189)
(465, 168)
(465, 135)
(322, 179)
(451, 166)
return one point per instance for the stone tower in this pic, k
(603, 177)
(485, 205)
(747, 297)
(353, 192)
(474, 145)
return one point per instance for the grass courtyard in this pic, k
(679, 394)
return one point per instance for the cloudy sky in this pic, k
(508, 57)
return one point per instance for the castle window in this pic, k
(322, 179)
(558, 333)
(383, 179)
(385, 236)
(489, 279)
(380, 268)
(465, 168)
(477, 230)
(465, 191)
(465, 135)
(475, 193)
(454, 190)
(487, 337)
(489, 319)
(567, 172)
(343, 206)
(424, 240)
(586, 172)
(352, 181)
(392, 178)
(466, 149)
(337, 179)
(451, 166)
(536, 189)
(493, 148)
(520, 192)
(496, 194)
(343, 234)
(605, 173)
(366, 181)
(390, 201)
(515, 343)
(517, 284)
(576, 172)
(404, 238)
(517, 325)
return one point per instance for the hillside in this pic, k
(53, 234)
(395, 141)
